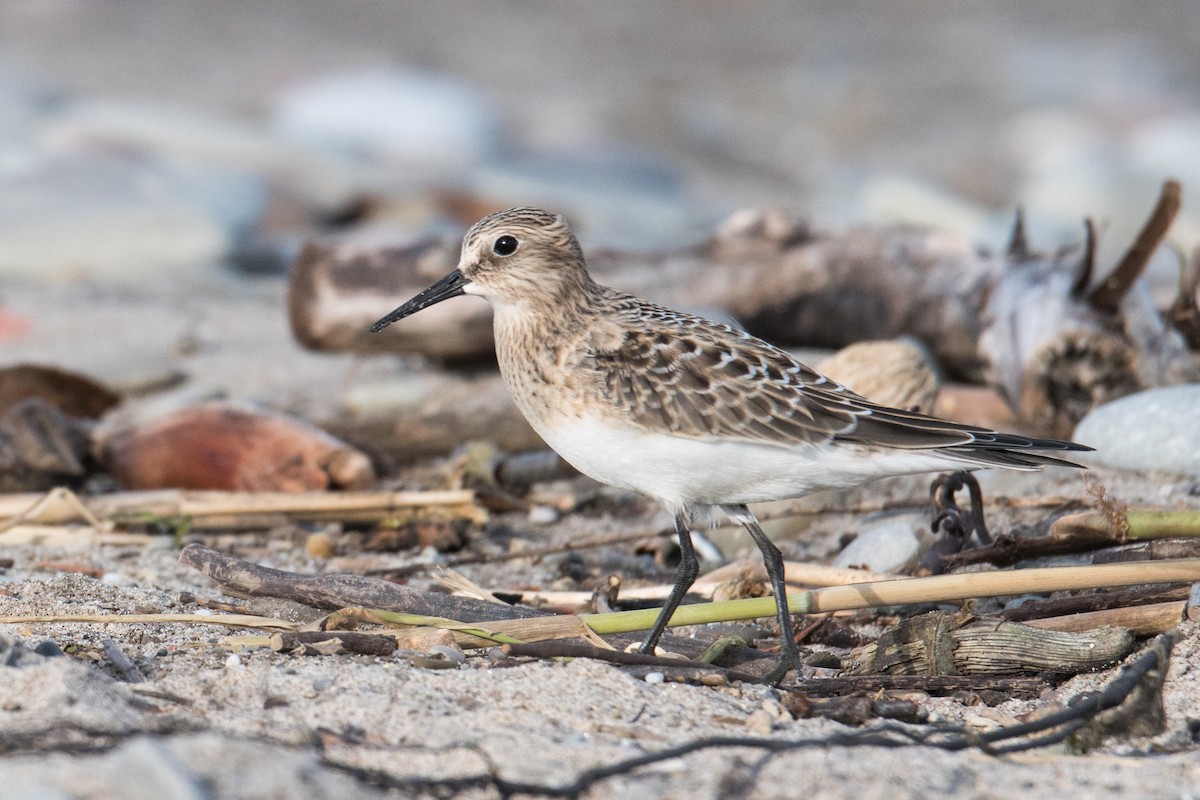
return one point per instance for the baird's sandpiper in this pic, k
(689, 412)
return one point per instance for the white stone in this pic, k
(1157, 430)
(891, 546)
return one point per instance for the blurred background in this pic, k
(149, 146)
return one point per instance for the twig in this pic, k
(554, 649)
(339, 591)
(1061, 606)
(1108, 295)
(311, 643)
(129, 670)
(932, 684)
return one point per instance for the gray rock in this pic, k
(890, 546)
(119, 217)
(191, 138)
(428, 122)
(1157, 430)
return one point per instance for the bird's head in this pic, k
(512, 258)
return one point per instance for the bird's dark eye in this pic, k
(505, 246)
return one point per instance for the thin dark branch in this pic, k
(1087, 264)
(1108, 295)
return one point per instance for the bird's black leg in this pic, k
(773, 559)
(685, 576)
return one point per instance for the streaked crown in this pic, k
(520, 254)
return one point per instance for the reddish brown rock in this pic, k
(230, 447)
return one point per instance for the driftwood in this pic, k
(244, 579)
(1032, 323)
(1058, 344)
(1143, 620)
(936, 644)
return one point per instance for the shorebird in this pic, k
(691, 413)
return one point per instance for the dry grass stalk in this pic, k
(237, 510)
(797, 573)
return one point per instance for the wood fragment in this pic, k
(936, 644)
(312, 643)
(855, 709)
(340, 591)
(1144, 620)
(1098, 601)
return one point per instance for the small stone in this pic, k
(542, 515)
(48, 648)
(320, 546)
(891, 546)
(1157, 430)
(233, 662)
(823, 659)
(761, 722)
(655, 677)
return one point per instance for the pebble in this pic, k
(1157, 430)
(234, 661)
(761, 722)
(891, 546)
(655, 677)
(320, 546)
(427, 122)
(543, 515)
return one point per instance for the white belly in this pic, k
(680, 472)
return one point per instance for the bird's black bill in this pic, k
(449, 286)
